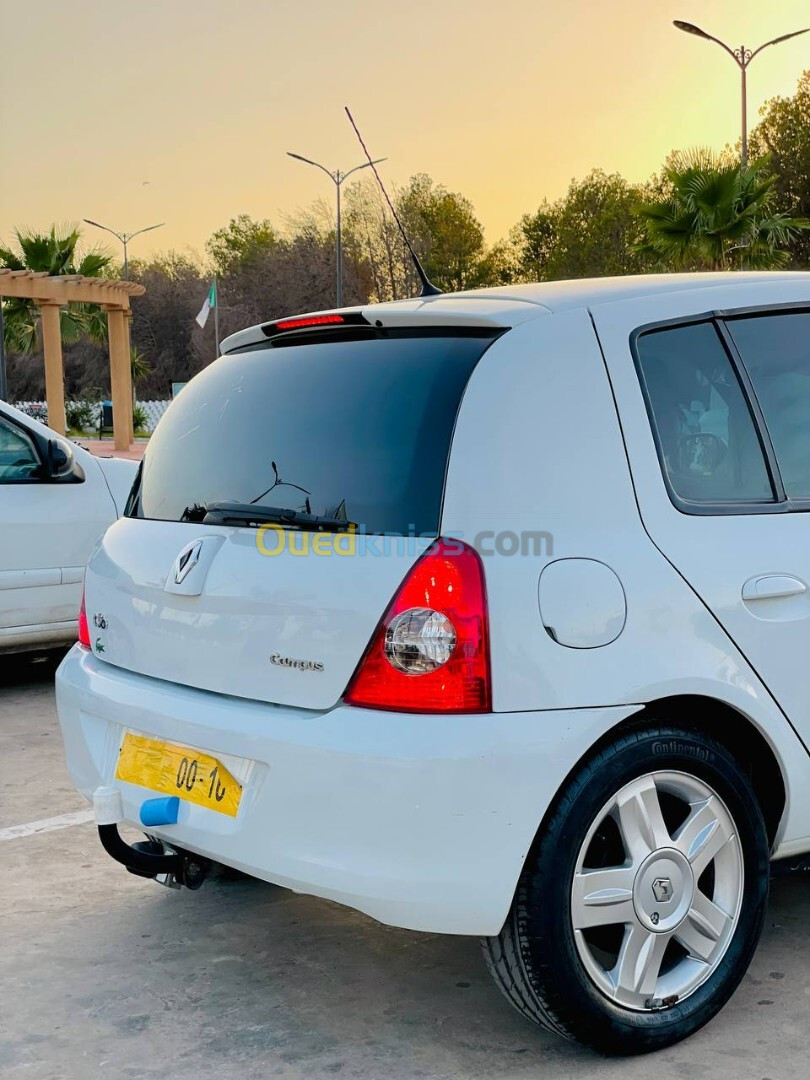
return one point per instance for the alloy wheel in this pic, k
(657, 890)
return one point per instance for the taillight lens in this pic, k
(84, 629)
(430, 653)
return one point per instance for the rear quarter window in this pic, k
(707, 440)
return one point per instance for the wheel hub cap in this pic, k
(663, 890)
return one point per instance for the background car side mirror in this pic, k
(61, 463)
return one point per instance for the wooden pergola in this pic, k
(52, 293)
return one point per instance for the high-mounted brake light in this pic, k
(84, 629)
(430, 653)
(308, 322)
(312, 320)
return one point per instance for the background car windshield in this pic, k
(357, 429)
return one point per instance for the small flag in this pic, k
(210, 302)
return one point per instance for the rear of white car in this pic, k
(381, 598)
(256, 644)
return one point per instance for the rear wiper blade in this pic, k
(226, 513)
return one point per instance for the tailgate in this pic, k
(285, 628)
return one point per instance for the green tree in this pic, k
(593, 231)
(242, 240)
(533, 240)
(444, 230)
(372, 244)
(54, 253)
(164, 332)
(784, 134)
(597, 229)
(498, 265)
(716, 215)
(440, 224)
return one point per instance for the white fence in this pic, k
(154, 410)
(38, 409)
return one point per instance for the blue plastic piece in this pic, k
(160, 811)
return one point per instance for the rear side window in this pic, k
(707, 440)
(776, 352)
(349, 428)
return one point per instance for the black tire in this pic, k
(535, 960)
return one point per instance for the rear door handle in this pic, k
(772, 586)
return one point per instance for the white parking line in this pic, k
(33, 828)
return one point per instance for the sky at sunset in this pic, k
(180, 110)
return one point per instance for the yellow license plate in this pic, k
(178, 770)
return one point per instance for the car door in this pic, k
(713, 390)
(47, 531)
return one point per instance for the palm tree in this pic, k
(140, 368)
(714, 215)
(54, 253)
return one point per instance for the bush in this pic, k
(81, 415)
(34, 409)
(140, 420)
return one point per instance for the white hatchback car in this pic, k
(484, 614)
(56, 500)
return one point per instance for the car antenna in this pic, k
(428, 288)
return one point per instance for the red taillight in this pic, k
(84, 629)
(308, 320)
(430, 653)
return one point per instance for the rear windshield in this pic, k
(357, 429)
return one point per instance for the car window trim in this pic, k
(718, 318)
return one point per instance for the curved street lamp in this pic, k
(124, 238)
(337, 177)
(742, 58)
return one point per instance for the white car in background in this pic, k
(56, 500)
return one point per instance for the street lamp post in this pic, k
(124, 238)
(742, 58)
(337, 177)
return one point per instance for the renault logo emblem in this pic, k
(186, 561)
(662, 889)
(190, 569)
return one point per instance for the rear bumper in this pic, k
(420, 821)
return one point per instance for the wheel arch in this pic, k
(712, 716)
(716, 718)
(738, 733)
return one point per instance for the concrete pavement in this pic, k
(106, 448)
(106, 975)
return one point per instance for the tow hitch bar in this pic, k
(150, 858)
